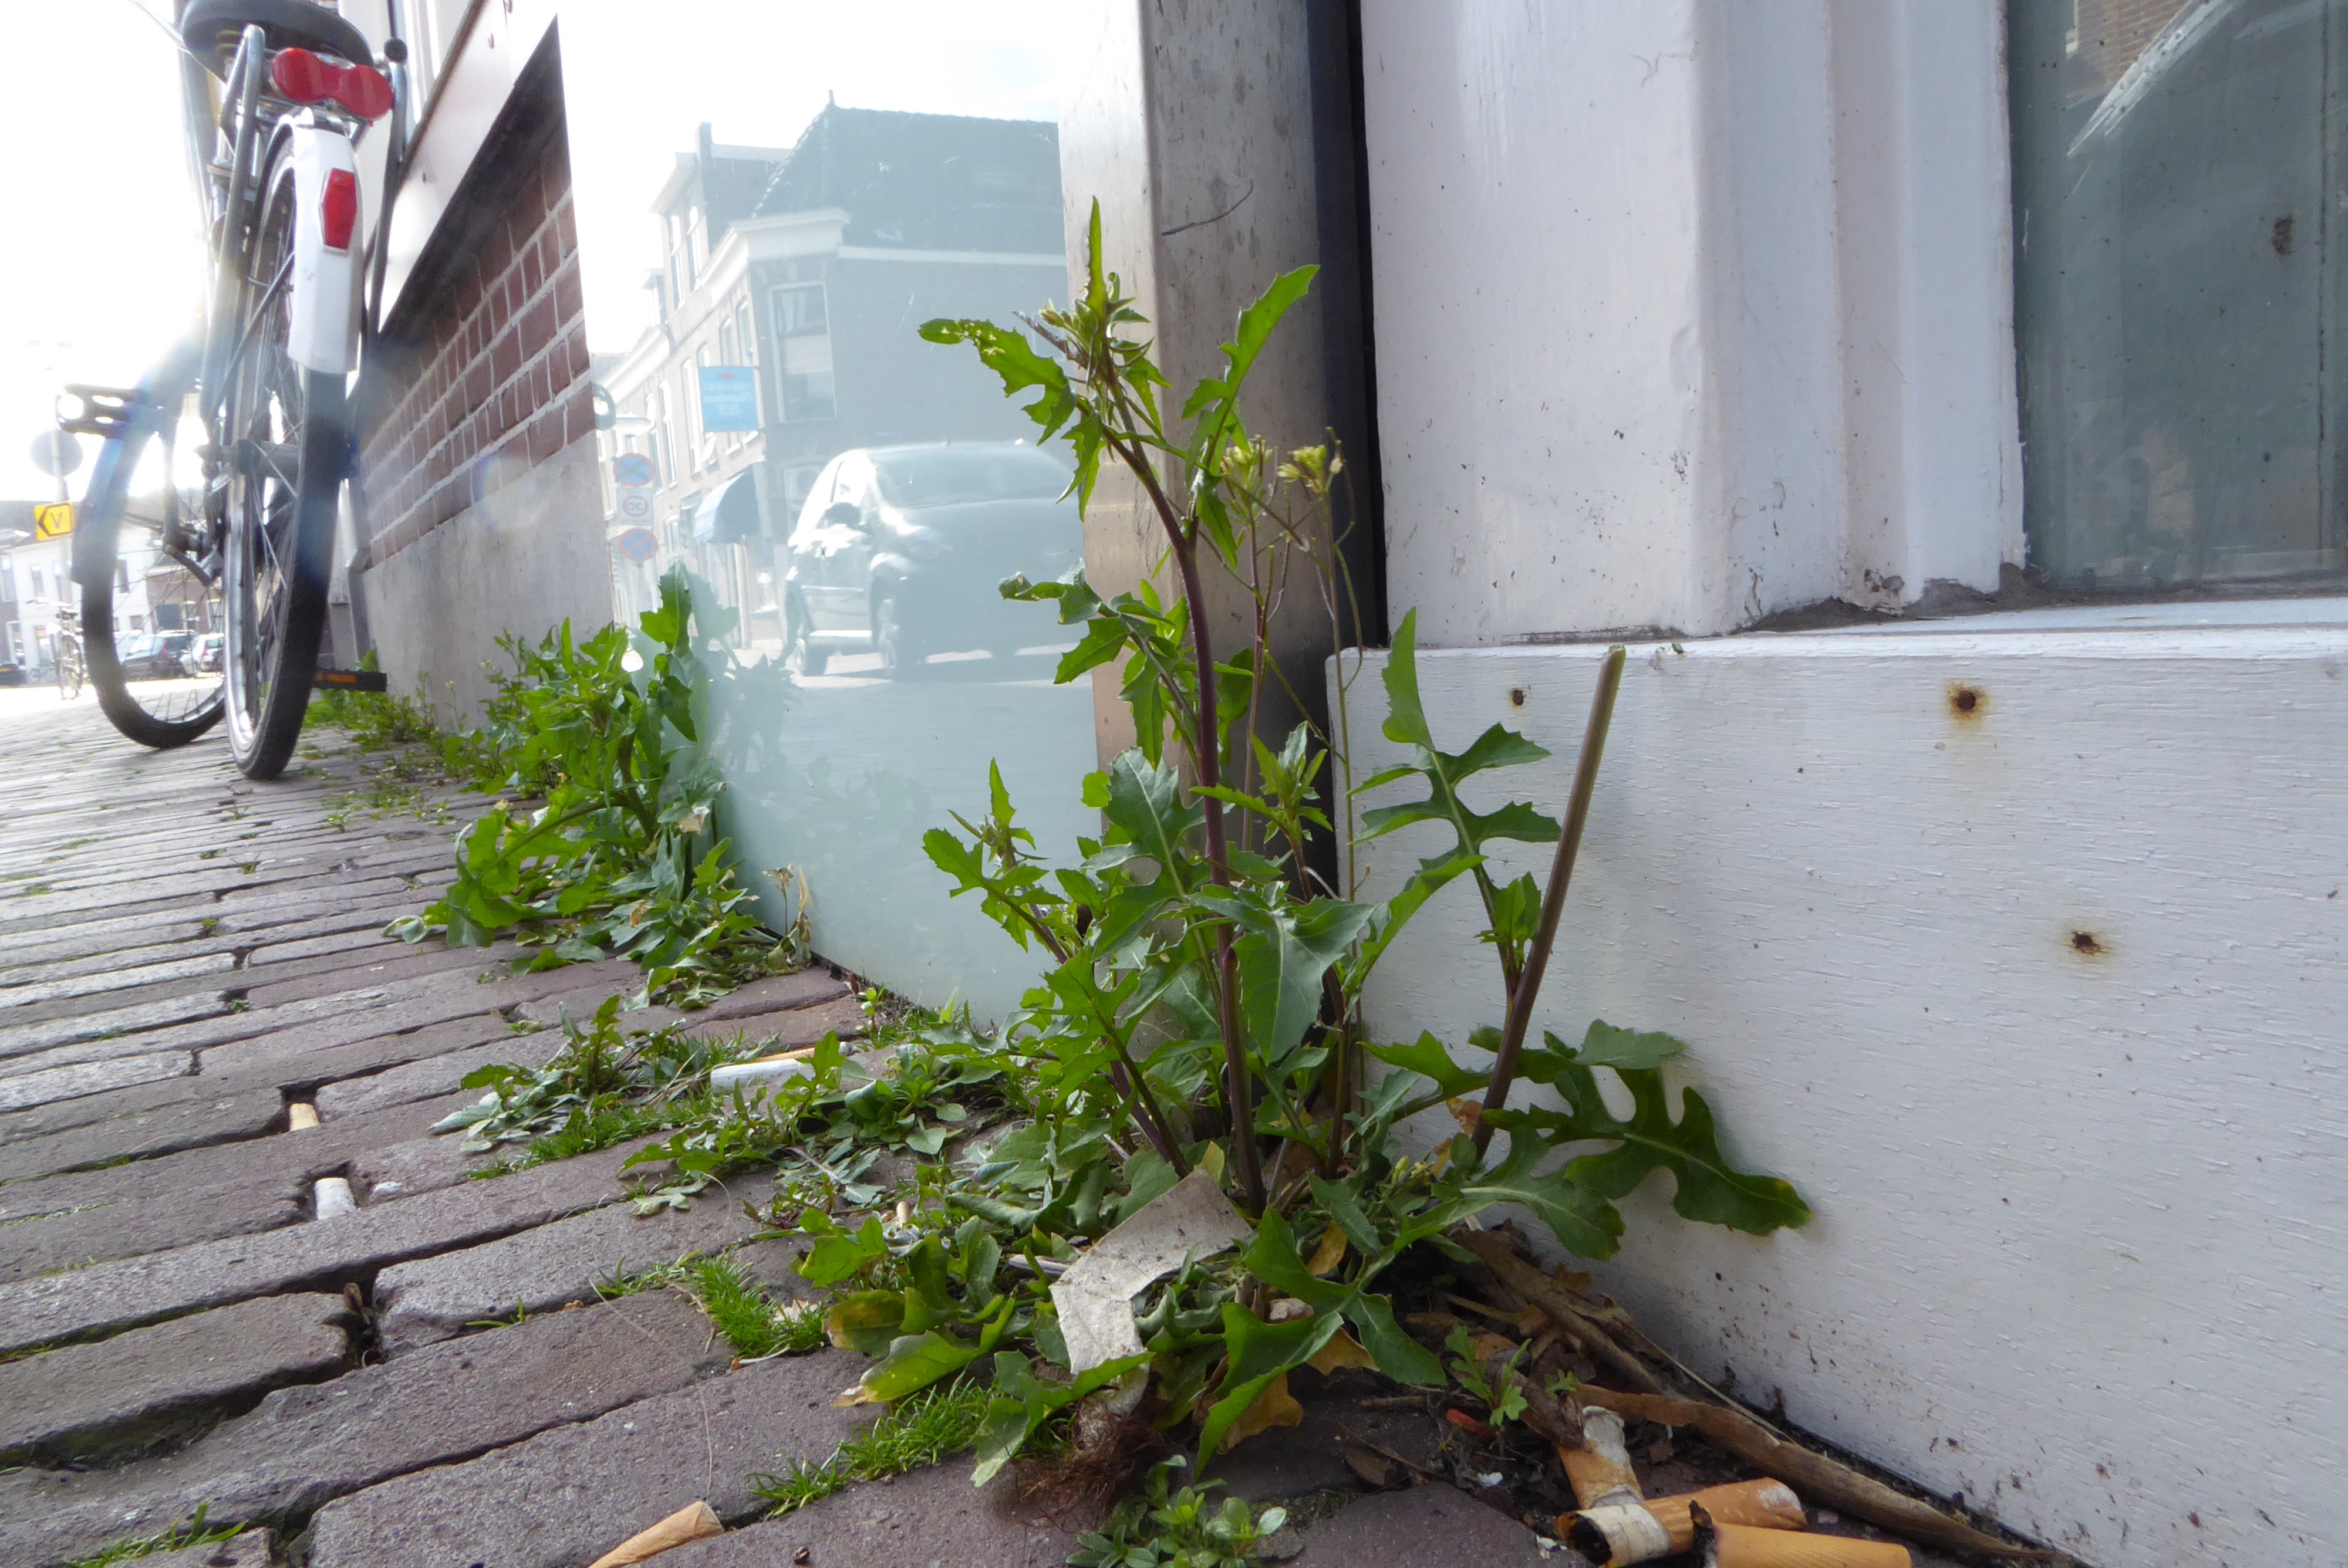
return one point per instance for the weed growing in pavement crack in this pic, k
(626, 745)
(1180, 1529)
(752, 1321)
(179, 1538)
(916, 1431)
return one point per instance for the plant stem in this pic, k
(1527, 986)
(1204, 757)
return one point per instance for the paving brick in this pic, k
(424, 1164)
(304, 1446)
(1432, 1524)
(76, 1079)
(80, 1097)
(788, 1030)
(775, 992)
(149, 1206)
(546, 1267)
(139, 1388)
(36, 1043)
(51, 988)
(436, 1075)
(145, 1131)
(109, 1297)
(929, 1518)
(568, 1495)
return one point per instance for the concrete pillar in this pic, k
(1219, 141)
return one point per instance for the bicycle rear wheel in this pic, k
(284, 435)
(147, 570)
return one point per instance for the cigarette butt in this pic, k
(1600, 1471)
(1608, 1536)
(690, 1523)
(1745, 1546)
(300, 1114)
(764, 1070)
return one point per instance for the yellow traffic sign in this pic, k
(53, 519)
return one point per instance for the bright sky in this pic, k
(105, 265)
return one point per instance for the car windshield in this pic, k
(953, 475)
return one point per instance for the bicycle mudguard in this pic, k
(323, 315)
(156, 398)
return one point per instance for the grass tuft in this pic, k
(178, 1538)
(754, 1322)
(918, 1430)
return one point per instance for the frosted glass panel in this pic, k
(771, 198)
(2179, 202)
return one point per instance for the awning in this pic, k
(729, 513)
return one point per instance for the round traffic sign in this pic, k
(632, 468)
(636, 506)
(637, 544)
(56, 453)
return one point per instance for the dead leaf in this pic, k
(1275, 1406)
(1330, 1252)
(1343, 1351)
(1467, 1112)
(1374, 1472)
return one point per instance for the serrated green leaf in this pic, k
(1428, 1059)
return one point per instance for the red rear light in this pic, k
(338, 208)
(308, 78)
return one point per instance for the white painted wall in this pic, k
(1689, 310)
(2080, 1218)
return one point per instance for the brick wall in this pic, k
(488, 375)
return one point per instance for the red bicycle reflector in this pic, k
(308, 78)
(338, 208)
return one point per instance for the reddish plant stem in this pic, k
(1206, 756)
(1527, 985)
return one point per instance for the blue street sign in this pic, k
(632, 468)
(729, 397)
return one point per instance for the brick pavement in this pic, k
(182, 954)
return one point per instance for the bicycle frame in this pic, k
(324, 282)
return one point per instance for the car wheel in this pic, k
(802, 654)
(902, 656)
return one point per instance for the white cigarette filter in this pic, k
(1660, 1526)
(748, 1075)
(1749, 1546)
(688, 1524)
(1601, 1469)
(333, 1198)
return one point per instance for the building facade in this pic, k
(785, 277)
(1935, 397)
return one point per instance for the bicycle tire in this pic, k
(280, 526)
(159, 714)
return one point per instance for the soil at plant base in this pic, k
(1362, 1433)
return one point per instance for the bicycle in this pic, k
(69, 660)
(250, 417)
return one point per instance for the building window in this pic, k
(40, 584)
(680, 272)
(744, 335)
(705, 443)
(2176, 279)
(803, 334)
(664, 450)
(729, 351)
(697, 242)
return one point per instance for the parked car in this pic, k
(153, 657)
(11, 673)
(203, 655)
(899, 549)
